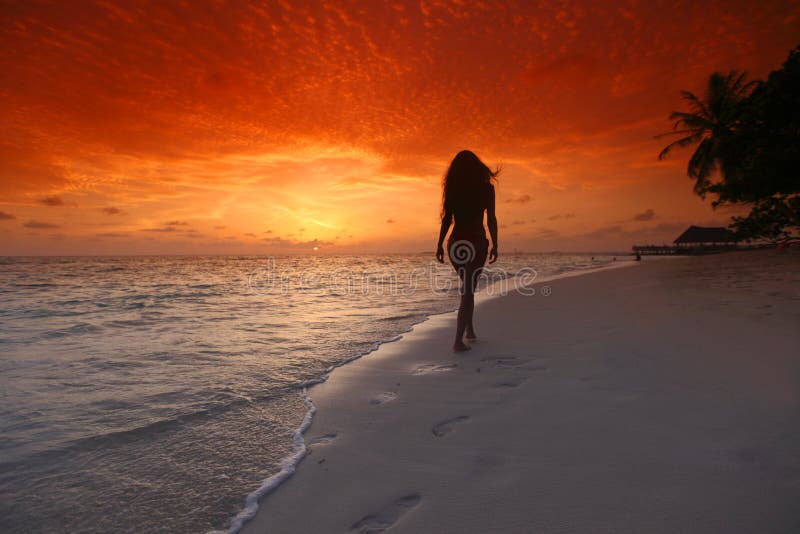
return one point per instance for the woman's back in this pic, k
(468, 208)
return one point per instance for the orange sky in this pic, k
(214, 127)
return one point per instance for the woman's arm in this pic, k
(446, 222)
(491, 220)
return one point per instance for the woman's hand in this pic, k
(440, 253)
(493, 255)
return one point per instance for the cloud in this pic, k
(162, 229)
(39, 225)
(390, 221)
(561, 216)
(536, 67)
(170, 226)
(647, 215)
(111, 210)
(604, 231)
(250, 234)
(279, 242)
(111, 235)
(522, 199)
(200, 130)
(652, 234)
(7, 216)
(56, 202)
(220, 227)
(547, 234)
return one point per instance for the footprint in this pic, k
(386, 518)
(446, 426)
(323, 440)
(383, 398)
(505, 361)
(433, 368)
(512, 382)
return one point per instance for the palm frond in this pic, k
(738, 85)
(695, 103)
(691, 120)
(709, 121)
(674, 132)
(680, 143)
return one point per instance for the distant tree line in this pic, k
(748, 148)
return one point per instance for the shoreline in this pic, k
(350, 402)
(291, 463)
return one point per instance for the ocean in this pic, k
(154, 394)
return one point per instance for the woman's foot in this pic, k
(460, 346)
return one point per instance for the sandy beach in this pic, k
(661, 397)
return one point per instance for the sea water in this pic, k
(153, 394)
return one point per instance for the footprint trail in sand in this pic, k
(387, 517)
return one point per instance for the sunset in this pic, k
(213, 127)
(424, 267)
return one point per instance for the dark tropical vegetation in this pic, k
(748, 148)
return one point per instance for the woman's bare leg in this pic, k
(469, 332)
(464, 316)
(465, 310)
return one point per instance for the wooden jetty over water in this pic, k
(695, 240)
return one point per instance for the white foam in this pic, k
(290, 463)
(288, 467)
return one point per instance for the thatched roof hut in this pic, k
(699, 235)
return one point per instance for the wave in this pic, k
(290, 463)
(78, 329)
(127, 323)
(222, 402)
(288, 467)
(401, 317)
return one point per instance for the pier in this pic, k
(695, 240)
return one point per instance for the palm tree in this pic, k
(711, 122)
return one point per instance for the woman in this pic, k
(467, 193)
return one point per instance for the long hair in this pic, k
(466, 184)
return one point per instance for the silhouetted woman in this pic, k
(467, 193)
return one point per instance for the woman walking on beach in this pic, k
(467, 193)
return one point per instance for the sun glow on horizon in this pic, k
(327, 126)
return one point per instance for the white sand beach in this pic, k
(661, 397)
